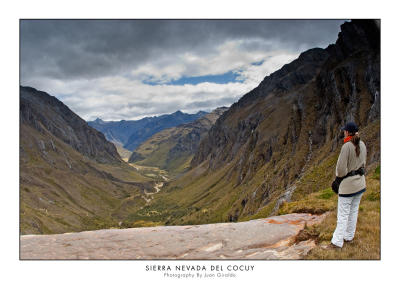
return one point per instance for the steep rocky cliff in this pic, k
(280, 140)
(342, 85)
(172, 149)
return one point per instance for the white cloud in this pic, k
(228, 56)
(127, 97)
(255, 73)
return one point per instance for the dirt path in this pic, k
(270, 238)
(156, 174)
(148, 197)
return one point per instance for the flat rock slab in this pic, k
(269, 238)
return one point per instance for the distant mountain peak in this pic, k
(131, 133)
(99, 120)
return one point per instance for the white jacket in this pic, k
(348, 161)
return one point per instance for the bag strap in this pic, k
(359, 171)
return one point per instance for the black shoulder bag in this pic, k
(336, 183)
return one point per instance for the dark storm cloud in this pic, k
(76, 49)
(125, 69)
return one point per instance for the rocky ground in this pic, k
(269, 238)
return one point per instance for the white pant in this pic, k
(346, 219)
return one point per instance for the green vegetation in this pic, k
(377, 173)
(263, 212)
(97, 223)
(326, 194)
(317, 178)
(314, 203)
(142, 223)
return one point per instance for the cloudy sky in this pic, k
(129, 69)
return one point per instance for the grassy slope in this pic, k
(56, 198)
(155, 151)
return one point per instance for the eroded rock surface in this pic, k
(270, 238)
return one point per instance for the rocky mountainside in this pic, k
(71, 177)
(43, 112)
(172, 149)
(280, 141)
(131, 133)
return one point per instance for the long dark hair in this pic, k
(355, 139)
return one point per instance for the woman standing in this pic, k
(350, 164)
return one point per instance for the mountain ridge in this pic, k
(44, 112)
(131, 133)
